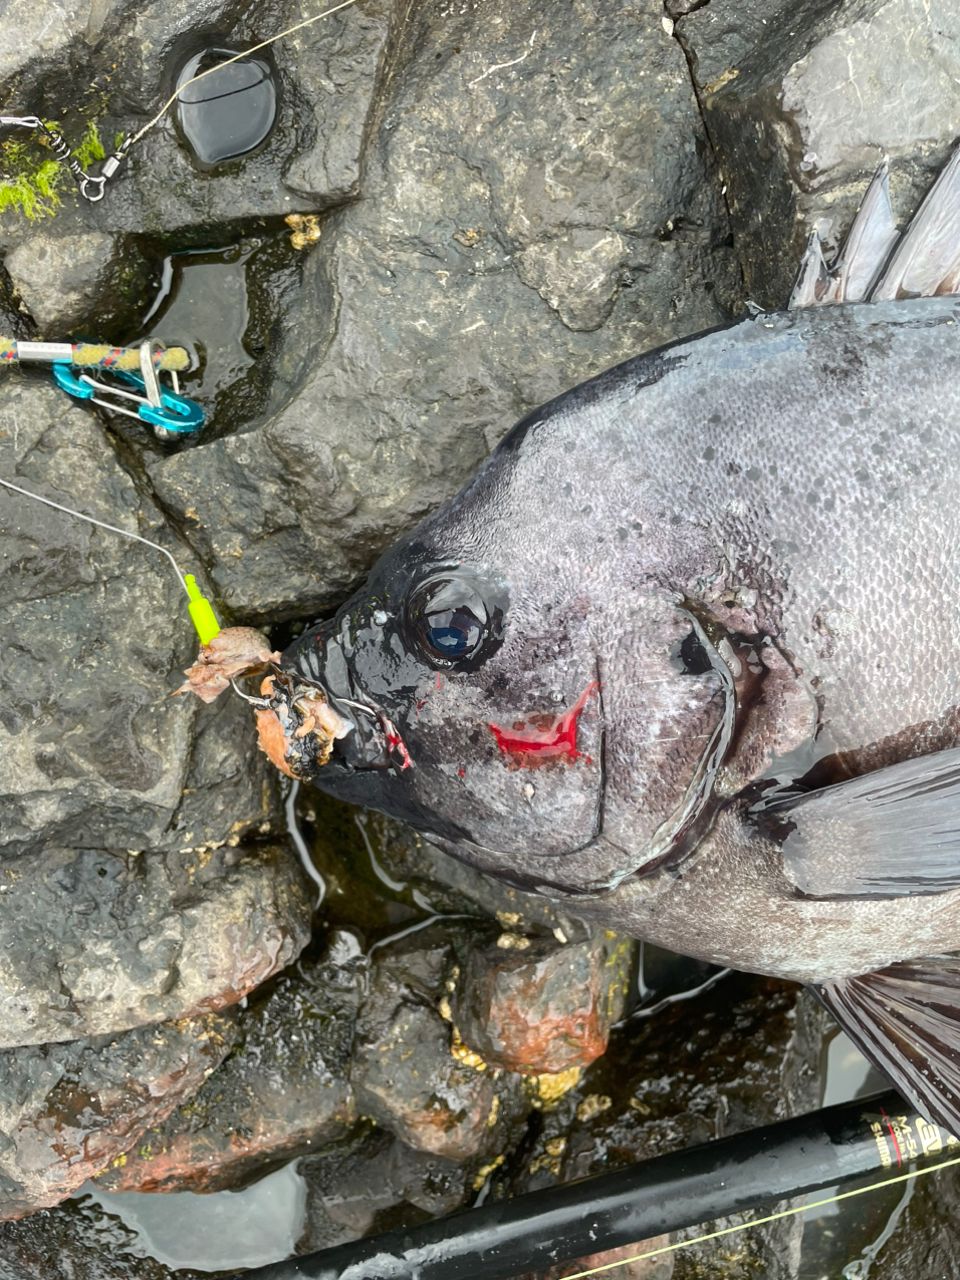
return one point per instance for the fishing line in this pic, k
(124, 533)
(237, 57)
(759, 1222)
(92, 186)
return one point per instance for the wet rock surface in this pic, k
(94, 752)
(408, 1075)
(66, 1111)
(533, 1007)
(60, 281)
(284, 1091)
(76, 1247)
(823, 92)
(375, 1183)
(141, 937)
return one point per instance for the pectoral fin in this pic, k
(886, 834)
(906, 1020)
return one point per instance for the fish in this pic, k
(683, 653)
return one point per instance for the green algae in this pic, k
(33, 181)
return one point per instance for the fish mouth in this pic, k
(303, 727)
(375, 742)
(296, 724)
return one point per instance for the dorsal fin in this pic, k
(813, 282)
(848, 279)
(926, 262)
(869, 241)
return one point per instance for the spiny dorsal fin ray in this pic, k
(926, 261)
(906, 1020)
(813, 279)
(869, 241)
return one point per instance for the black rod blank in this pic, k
(750, 1170)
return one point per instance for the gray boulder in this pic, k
(68, 1111)
(560, 219)
(801, 102)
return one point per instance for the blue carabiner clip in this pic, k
(175, 414)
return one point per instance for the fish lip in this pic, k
(379, 748)
(372, 741)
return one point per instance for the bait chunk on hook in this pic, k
(235, 651)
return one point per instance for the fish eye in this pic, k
(454, 621)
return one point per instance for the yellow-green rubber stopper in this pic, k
(201, 611)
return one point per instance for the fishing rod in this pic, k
(826, 1148)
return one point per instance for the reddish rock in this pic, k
(68, 1110)
(742, 1054)
(532, 1006)
(631, 1266)
(282, 1093)
(410, 1076)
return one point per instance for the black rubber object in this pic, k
(751, 1170)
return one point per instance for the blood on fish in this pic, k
(558, 740)
(396, 743)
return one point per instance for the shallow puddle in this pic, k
(230, 111)
(213, 1232)
(224, 306)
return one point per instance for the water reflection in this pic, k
(214, 1232)
(230, 111)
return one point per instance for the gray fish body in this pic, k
(683, 649)
(794, 477)
(788, 482)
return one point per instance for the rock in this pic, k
(229, 790)
(94, 752)
(62, 1244)
(630, 1266)
(65, 1244)
(107, 941)
(62, 281)
(405, 1072)
(338, 62)
(97, 761)
(574, 161)
(536, 1007)
(744, 1054)
(282, 1093)
(376, 1183)
(120, 77)
(32, 32)
(927, 1235)
(801, 104)
(68, 1110)
(369, 852)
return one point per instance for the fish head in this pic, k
(468, 697)
(510, 697)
